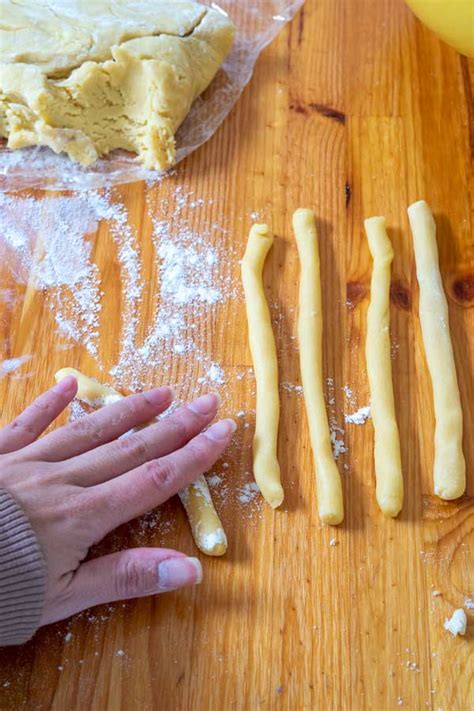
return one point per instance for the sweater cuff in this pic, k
(22, 574)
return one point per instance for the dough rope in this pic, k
(262, 346)
(388, 465)
(449, 464)
(207, 530)
(310, 326)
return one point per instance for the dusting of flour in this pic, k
(10, 365)
(194, 279)
(359, 417)
(50, 239)
(47, 244)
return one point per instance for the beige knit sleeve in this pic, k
(22, 574)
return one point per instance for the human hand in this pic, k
(79, 482)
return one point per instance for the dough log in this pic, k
(449, 463)
(262, 346)
(206, 527)
(90, 391)
(388, 466)
(310, 326)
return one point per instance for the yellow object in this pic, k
(452, 20)
(86, 78)
(310, 335)
(262, 346)
(449, 463)
(388, 463)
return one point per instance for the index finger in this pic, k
(33, 421)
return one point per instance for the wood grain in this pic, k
(354, 110)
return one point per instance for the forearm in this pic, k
(22, 574)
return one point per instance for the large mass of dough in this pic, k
(85, 77)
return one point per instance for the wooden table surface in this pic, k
(354, 110)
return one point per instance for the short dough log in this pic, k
(388, 465)
(262, 346)
(310, 328)
(206, 527)
(449, 463)
(90, 391)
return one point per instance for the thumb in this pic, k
(131, 573)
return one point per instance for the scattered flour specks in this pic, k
(214, 375)
(50, 239)
(12, 364)
(47, 242)
(336, 432)
(194, 277)
(76, 411)
(129, 264)
(359, 417)
(248, 492)
(186, 272)
(338, 446)
(348, 392)
(292, 388)
(214, 480)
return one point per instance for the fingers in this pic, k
(102, 426)
(141, 489)
(28, 426)
(155, 441)
(120, 576)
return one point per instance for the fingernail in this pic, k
(221, 430)
(65, 385)
(159, 395)
(177, 573)
(203, 405)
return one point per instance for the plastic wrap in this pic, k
(257, 23)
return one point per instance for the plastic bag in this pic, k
(257, 22)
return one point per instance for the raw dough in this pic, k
(449, 463)
(85, 77)
(310, 330)
(262, 346)
(206, 527)
(388, 465)
(90, 391)
(457, 623)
